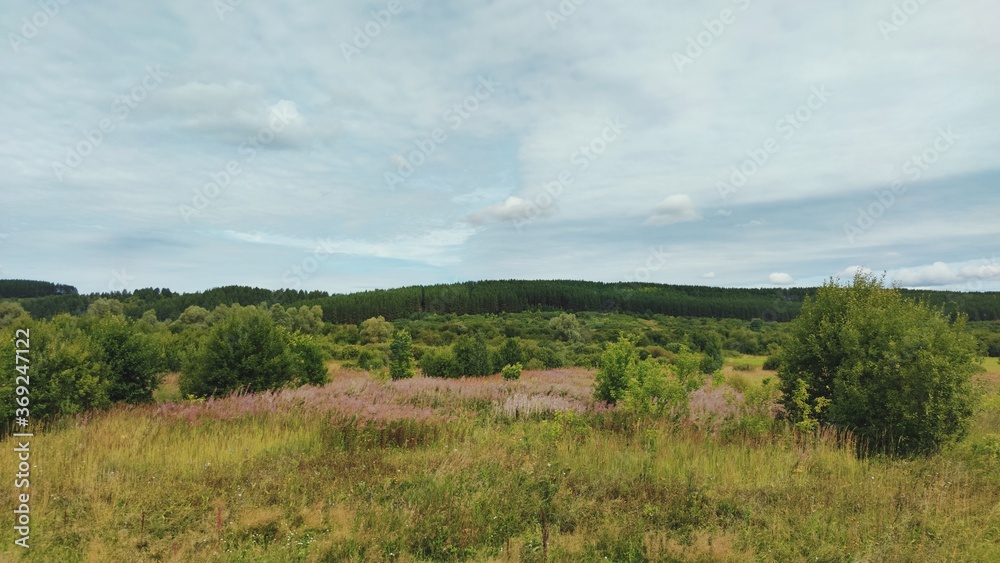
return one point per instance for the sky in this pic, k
(346, 146)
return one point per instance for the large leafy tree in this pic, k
(376, 330)
(894, 371)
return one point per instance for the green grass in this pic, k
(169, 390)
(302, 484)
(757, 361)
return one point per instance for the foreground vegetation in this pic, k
(264, 433)
(493, 470)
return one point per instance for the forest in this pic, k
(45, 300)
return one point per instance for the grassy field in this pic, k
(488, 470)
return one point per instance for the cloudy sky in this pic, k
(355, 145)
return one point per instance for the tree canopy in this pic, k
(892, 370)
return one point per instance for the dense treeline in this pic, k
(166, 303)
(20, 289)
(495, 297)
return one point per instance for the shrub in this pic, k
(550, 357)
(472, 355)
(371, 359)
(892, 370)
(772, 363)
(649, 391)
(244, 350)
(510, 353)
(132, 359)
(401, 356)
(566, 327)
(437, 362)
(710, 343)
(511, 372)
(534, 364)
(612, 376)
(309, 361)
(66, 373)
(375, 330)
(12, 314)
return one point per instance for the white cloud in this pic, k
(937, 273)
(512, 209)
(673, 209)
(434, 247)
(985, 271)
(849, 272)
(709, 275)
(780, 278)
(753, 223)
(230, 111)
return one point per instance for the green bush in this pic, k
(243, 350)
(401, 356)
(510, 353)
(892, 370)
(438, 362)
(511, 372)
(772, 363)
(371, 359)
(566, 327)
(375, 330)
(472, 355)
(309, 361)
(132, 359)
(613, 375)
(65, 374)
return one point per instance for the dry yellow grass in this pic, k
(300, 484)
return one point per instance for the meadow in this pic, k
(484, 469)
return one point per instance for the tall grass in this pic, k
(430, 470)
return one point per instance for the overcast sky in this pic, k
(344, 146)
